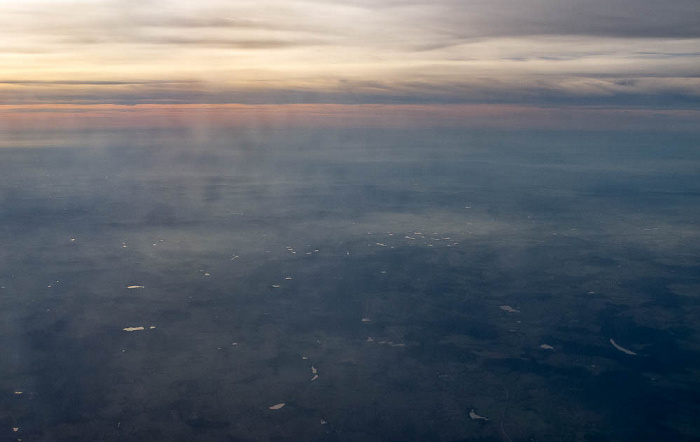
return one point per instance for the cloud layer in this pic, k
(639, 53)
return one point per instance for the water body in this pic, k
(349, 285)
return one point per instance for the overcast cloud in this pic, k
(588, 52)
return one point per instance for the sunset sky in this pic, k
(638, 60)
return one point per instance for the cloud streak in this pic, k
(649, 92)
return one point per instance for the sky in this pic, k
(528, 61)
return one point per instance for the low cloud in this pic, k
(649, 92)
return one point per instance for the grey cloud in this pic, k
(228, 42)
(608, 18)
(222, 41)
(678, 93)
(470, 19)
(661, 55)
(92, 83)
(199, 22)
(217, 20)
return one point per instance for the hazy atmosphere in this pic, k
(619, 56)
(350, 221)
